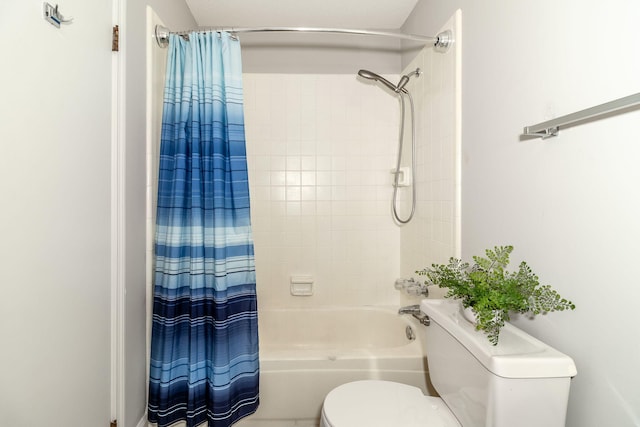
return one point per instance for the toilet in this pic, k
(520, 382)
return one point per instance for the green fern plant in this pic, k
(492, 292)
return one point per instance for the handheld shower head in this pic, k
(373, 76)
(396, 88)
(368, 75)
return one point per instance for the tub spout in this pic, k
(409, 309)
(415, 311)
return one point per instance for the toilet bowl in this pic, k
(479, 384)
(374, 403)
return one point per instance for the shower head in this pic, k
(396, 88)
(373, 76)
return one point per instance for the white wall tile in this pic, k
(321, 187)
(320, 182)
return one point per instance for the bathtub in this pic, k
(305, 353)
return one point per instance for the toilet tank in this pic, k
(520, 382)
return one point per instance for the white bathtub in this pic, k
(305, 353)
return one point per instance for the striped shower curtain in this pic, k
(204, 344)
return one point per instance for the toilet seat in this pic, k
(374, 403)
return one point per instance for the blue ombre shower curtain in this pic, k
(204, 344)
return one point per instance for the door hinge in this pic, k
(115, 40)
(114, 423)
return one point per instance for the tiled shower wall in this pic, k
(320, 150)
(434, 234)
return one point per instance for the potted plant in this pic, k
(492, 292)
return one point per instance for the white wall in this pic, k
(55, 173)
(567, 204)
(306, 53)
(56, 121)
(294, 53)
(176, 15)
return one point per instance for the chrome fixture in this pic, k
(551, 128)
(409, 333)
(411, 287)
(53, 16)
(370, 75)
(401, 91)
(415, 311)
(410, 309)
(405, 79)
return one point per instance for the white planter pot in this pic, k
(468, 314)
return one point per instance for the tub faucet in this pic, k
(415, 311)
(411, 287)
(410, 309)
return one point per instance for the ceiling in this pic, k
(357, 14)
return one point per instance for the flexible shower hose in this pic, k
(413, 160)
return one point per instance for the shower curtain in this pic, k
(204, 345)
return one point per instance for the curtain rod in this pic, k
(442, 41)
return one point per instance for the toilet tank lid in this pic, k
(517, 355)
